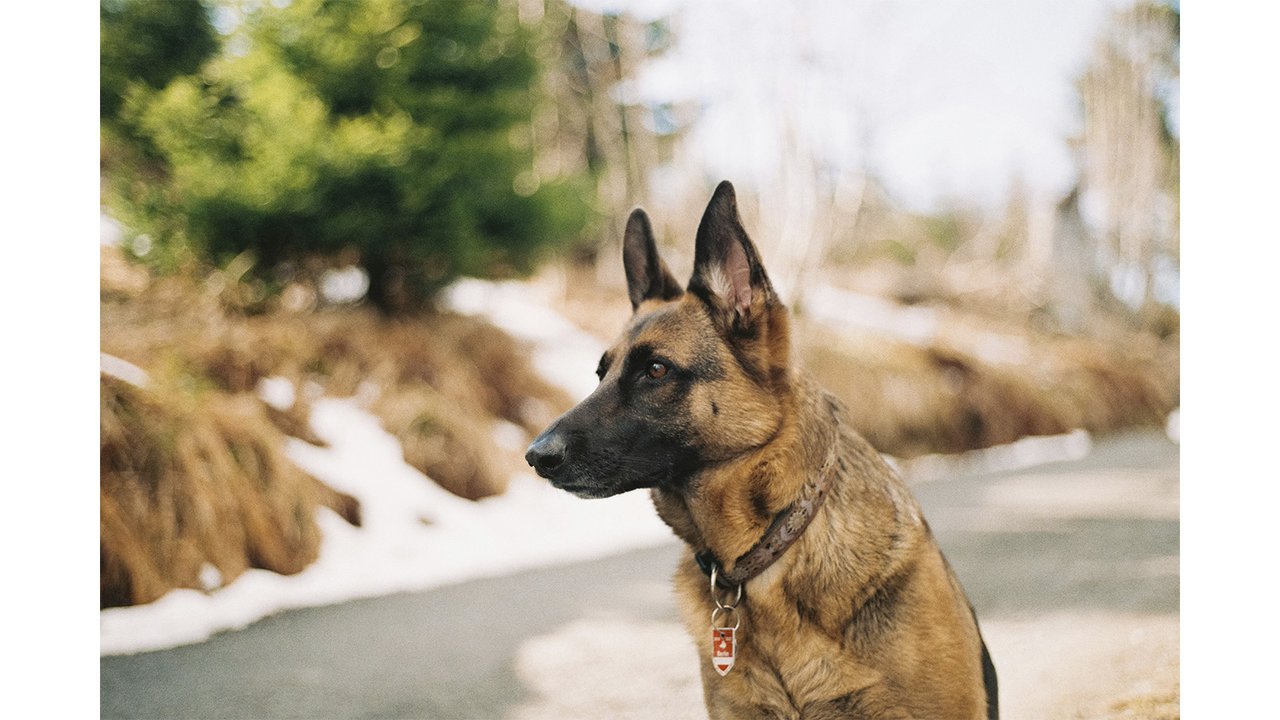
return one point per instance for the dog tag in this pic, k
(723, 647)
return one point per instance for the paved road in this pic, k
(1036, 549)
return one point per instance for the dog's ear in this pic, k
(727, 272)
(647, 275)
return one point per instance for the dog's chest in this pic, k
(784, 662)
(785, 675)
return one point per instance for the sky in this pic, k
(941, 100)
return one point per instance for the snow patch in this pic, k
(121, 369)
(344, 285)
(919, 326)
(278, 392)
(1020, 454)
(574, 671)
(859, 311)
(509, 436)
(1104, 493)
(210, 577)
(562, 353)
(110, 231)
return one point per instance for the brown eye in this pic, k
(656, 370)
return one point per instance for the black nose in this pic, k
(546, 453)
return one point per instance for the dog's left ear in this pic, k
(647, 275)
(727, 272)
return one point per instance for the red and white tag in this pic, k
(723, 648)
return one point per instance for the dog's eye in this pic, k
(657, 370)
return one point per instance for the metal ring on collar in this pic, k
(725, 609)
(715, 595)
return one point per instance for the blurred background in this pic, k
(356, 254)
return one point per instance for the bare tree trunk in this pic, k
(1129, 162)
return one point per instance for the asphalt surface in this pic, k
(1095, 535)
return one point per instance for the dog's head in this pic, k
(699, 376)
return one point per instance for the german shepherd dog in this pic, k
(817, 553)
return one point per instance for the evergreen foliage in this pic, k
(150, 43)
(389, 133)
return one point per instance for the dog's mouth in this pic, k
(584, 485)
(585, 491)
(591, 483)
(546, 474)
(563, 478)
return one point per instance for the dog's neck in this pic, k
(727, 509)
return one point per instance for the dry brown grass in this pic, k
(192, 465)
(910, 400)
(442, 381)
(451, 446)
(191, 477)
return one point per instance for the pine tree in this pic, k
(386, 132)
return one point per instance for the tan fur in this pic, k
(861, 617)
(817, 639)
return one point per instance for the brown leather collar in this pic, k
(786, 528)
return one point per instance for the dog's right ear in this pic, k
(727, 272)
(647, 275)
